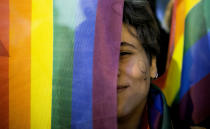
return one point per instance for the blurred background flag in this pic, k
(186, 80)
(58, 63)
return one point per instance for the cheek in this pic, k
(135, 73)
(139, 79)
(136, 76)
(137, 70)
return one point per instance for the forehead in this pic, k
(129, 35)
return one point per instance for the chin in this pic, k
(122, 111)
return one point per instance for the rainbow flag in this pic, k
(187, 77)
(59, 63)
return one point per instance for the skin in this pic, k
(133, 82)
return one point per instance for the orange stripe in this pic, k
(19, 64)
(180, 18)
(4, 64)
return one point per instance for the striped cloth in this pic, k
(185, 83)
(158, 113)
(58, 63)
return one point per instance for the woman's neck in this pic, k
(132, 120)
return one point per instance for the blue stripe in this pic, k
(83, 68)
(156, 96)
(196, 64)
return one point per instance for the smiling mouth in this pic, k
(121, 88)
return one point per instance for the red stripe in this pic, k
(172, 34)
(160, 82)
(4, 64)
(105, 65)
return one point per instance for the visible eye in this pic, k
(125, 53)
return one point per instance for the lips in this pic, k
(121, 88)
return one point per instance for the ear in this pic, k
(153, 67)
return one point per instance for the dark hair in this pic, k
(138, 14)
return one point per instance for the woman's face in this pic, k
(134, 73)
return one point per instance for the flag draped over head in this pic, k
(185, 83)
(58, 63)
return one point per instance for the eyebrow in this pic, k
(127, 44)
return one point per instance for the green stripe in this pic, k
(63, 51)
(197, 23)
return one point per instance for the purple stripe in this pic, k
(195, 104)
(106, 56)
(155, 118)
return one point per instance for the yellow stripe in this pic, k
(41, 63)
(174, 72)
(189, 4)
